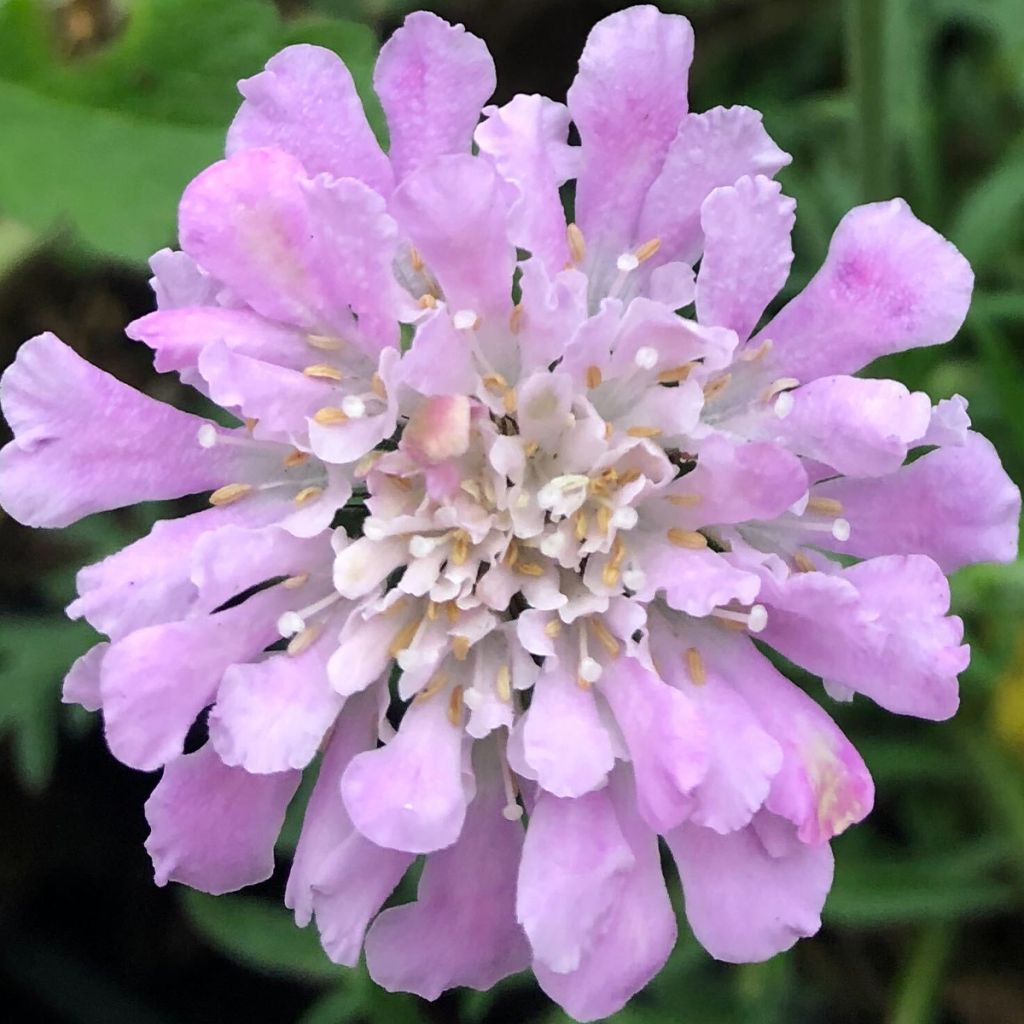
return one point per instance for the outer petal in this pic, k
(889, 283)
(156, 681)
(627, 102)
(412, 794)
(694, 582)
(710, 150)
(575, 866)
(305, 103)
(564, 740)
(743, 903)
(956, 505)
(455, 212)
(467, 894)
(526, 139)
(637, 938)
(82, 683)
(336, 871)
(432, 79)
(213, 827)
(84, 442)
(666, 737)
(747, 252)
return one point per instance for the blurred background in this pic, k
(108, 107)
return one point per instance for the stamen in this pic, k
(634, 579)
(644, 431)
(531, 449)
(625, 518)
(455, 707)
(465, 320)
(290, 624)
(581, 525)
(304, 640)
(630, 476)
(415, 259)
(714, 388)
(648, 249)
(841, 530)
(684, 500)
(432, 610)
(324, 342)
(503, 684)
(687, 538)
(366, 463)
(353, 407)
(323, 371)
(784, 405)
(427, 301)
(512, 553)
(577, 245)
(437, 682)
(460, 547)
(294, 582)
(295, 458)
(646, 357)
(510, 400)
(460, 647)
(803, 562)
(404, 637)
(825, 506)
(553, 628)
(308, 494)
(750, 355)
(229, 494)
(495, 383)
(604, 518)
(207, 435)
(530, 569)
(515, 318)
(778, 386)
(590, 670)
(511, 811)
(251, 422)
(606, 638)
(330, 416)
(695, 666)
(377, 386)
(676, 374)
(453, 611)
(627, 263)
(755, 620)
(594, 377)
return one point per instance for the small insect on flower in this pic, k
(580, 517)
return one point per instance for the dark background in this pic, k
(107, 109)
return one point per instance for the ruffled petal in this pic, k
(743, 902)
(213, 827)
(889, 283)
(82, 683)
(306, 103)
(747, 252)
(84, 442)
(467, 894)
(432, 79)
(694, 582)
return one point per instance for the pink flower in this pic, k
(580, 509)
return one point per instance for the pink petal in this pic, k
(432, 79)
(527, 140)
(743, 903)
(82, 683)
(889, 283)
(84, 442)
(627, 102)
(747, 252)
(712, 149)
(467, 894)
(412, 794)
(575, 867)
(213, 827)
(694, 582)
(956, 505)
(305, 103)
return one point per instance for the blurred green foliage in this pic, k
(108, 109)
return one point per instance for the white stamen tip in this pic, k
(624, 518)
(420, 546)
(290, 624)
(758, 618)
(634, 579)
(372, 530)
(646, 357)
(841, 530)
(590, 670)
(627, 262)
(512, 812)
(464, 320)
(553, 545)
(353, 407)
(207, 435)
(783, 405)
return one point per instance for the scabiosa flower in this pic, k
(590, 491)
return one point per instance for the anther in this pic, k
(594, 377)
(509, 400)
(229, 494)
(684, 500)
(323, 371)
(695, 666)
(605, 637)
(530, 569)
(251, 423)
(675, 374)
(377, 386)
(427, 301)
(604, 518)
(515, 318)
(437, 682)
(803, 562)
(460, 547)
(687, 538)
(415, 259)
(643, 432)
(512, 553)
(330, 416)
(778, 386)
(324, 342)
(452, 611)
(531, 449)
(581, 525)
(648, 249)
(750, 355)
(295, 458)
(755, 620)
(308, 494)
(460, 647)
(403, 638)
(303, 641)
(553, 628)
(495, 383)
(714, 388)
(503, 684)
(294, 582)
(577, 245)
(455, 707)
(825, 506)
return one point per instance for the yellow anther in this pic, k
(583, 684)
(778, 386)
(644, 431)
(618, 552)
(512, 553)
(495, 383)
(803, 562)
(515, 318)
(308, 494)
(684, 500)
(553, 628)
(530, 568)
(460, 647)
(324, 342)
(377, 386)
(750, 355)
(648, 249)
(323, 371)
(695, 666)
(403, 638)
(437, 682)
(295, 458)
(303, 641)
(251, 422)
(330, 416)
(294, 582)
(432, 610)
(594, 377)
(427, 301)
(531, 449)
(503, 684)
(605, 637)
(714, 388)
(453, 611)
(229, 494)
(460, 547)
(455, 707)
(825, 506)
(604, 518)
(577, 244)
(581, 524)
(510, 400)
(687, 538)
(415, 259)
(630, 476)
(610, 575)
(608, 431)
(675, 374)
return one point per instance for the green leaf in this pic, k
(35, 654)
(339, 1007)
(260, 935)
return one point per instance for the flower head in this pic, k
(573, 518)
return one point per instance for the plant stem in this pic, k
(919, 986)
(866, 57)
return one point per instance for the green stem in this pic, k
(866, 55)
(920, 983)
